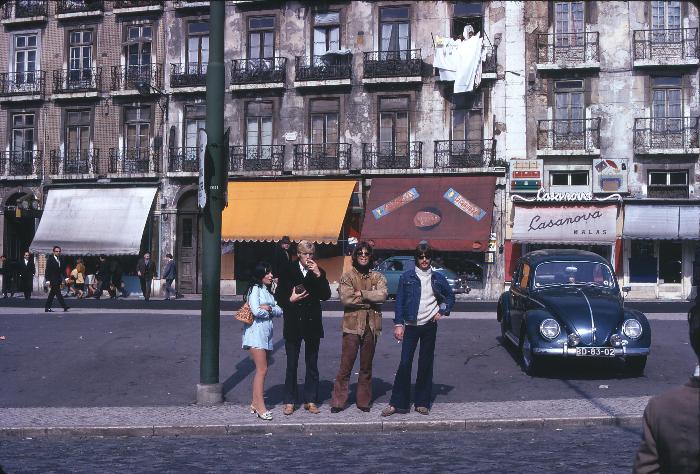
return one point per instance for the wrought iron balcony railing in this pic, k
(185, 159)
(464, 153)
(79, 6)
(129, 161)
(14, 9)
(569, 134)
(74, 162)
(670, 44)
(667, 133)
(397, 155)
(258, 71)
(568, 48)
(322, 156)
(130, 77)
(188, 75)
(22, 83)
(256, 158)
(20, 163)
(137, 3)
(401, 63)
(323, 68)
(77, 80)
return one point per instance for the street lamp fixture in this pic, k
(145, 88)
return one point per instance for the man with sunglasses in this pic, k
(423, 297)
(361, 291)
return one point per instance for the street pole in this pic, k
(209, 390)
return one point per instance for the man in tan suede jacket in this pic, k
(361, 291)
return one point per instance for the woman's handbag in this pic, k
(244, 315)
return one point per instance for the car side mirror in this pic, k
(625, 290)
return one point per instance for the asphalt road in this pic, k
(83, 358)
(599, 449)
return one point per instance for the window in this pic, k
(467, 118)
(568, 24)
(665, 14)
(667, 184)
(394, 33)
(467, 14)
(197, 47)
(80, 59)
(23, 136)
(259, 130)
(195, 136)
(137, 52)
(326, 33)
(137, 126)
(393, 126)
(324, 121)
(569, 110)
(78, 131)
(261, 37)
(568, 178)
(25, 63)
(667, 104)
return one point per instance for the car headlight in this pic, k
(632, 328)
(549, 328)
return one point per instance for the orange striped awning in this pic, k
(267, 210)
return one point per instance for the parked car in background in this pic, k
(393, 267)
(567, 303)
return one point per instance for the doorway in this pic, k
(189, 245)
(19, 227)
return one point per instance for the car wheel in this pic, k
(531, 362)
(635, 365)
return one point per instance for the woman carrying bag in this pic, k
(257, 337)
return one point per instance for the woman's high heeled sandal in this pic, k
(267, 416)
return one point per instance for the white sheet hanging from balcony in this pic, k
(460, 61)
(94, 221)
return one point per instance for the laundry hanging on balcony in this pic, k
(460, 60)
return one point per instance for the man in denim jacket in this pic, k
(423, 297)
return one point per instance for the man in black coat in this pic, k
(55, 275)
(104, 276)
(27, 270)
(281, 257)
(300, 291)
(7, 273)
(144, 270)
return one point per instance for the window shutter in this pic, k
(591, 12)
(550, 13)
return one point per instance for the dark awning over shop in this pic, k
(92, 221)
(452, 213)
(661, 222)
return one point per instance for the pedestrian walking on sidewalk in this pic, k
(55, 276)
(27, 270)
(169, 274)
(257, 337)
(361, 291)
(671, 426)
(423, 297)
(144, 270)
(78, 275)
(8, 274)
(300, 291)
(104, 276)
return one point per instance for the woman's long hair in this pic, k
(370, 263)
(259, 272)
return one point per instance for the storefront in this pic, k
(563, 220)
(661, 249)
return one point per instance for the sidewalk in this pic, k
(236, 419)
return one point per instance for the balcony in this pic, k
(404, 156)
(568, 137)
(182, 5)
(666, 136)
(126, 7)
(323, 71)
(22, 86)
(24, 11)
(77, 83)
(451, 154)
(74, 163)
(328, 158)
(134, 162)
(79, 8)
(392, 66)
(670, 47)
(247, 74)
(256, 159)
(20, 165)
(188, 77)
(560, 51)
(126, 79)
(184, 160)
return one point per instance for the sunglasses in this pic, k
(364, 254)
(423, 257)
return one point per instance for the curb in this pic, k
(56, 432)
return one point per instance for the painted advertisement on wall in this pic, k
(610, 175)
(526, 176)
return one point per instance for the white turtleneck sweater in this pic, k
(428, 305)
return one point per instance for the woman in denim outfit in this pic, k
(257, 337)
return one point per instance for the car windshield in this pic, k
(573, 273)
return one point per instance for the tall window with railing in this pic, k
(568, 24)
(137, 53)
(667, 106)
(261, 41)
(258, 131)
(80, 50)
(666, 21)
(25, 60)
(394, 33)
(394, 128)
(22, 140)
(569, 113)
(78, 133)
(197, 47)
(195, 135)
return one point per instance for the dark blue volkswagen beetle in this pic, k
(567, 303)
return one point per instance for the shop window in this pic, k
(568, 178)
(668, 184)
(670, 261)
(642, 262)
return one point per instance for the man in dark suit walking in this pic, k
(144, 270)
(300, 291)
(55, 275)
(27, 270)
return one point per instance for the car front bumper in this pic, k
(571, 352)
